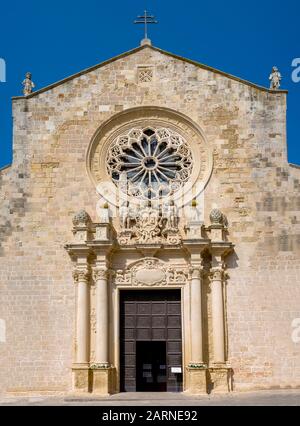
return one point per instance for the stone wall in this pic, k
(251, 183)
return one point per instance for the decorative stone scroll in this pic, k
(151, 272)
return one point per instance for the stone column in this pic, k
(218, 323)
(220, 373)
(101, 349)
(196, 317)
(81, 276)
(103, 372)
(196, 378)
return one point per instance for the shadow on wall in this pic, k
(232, 260)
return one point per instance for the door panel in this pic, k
(150, 317)
(151, 374)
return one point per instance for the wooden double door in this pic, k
(150, 341)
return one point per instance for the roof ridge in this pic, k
(297, 166)
(5, 167)
(137, 49)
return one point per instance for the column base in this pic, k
(219, 378)
(196, 381)
(104, 381)
(81, 378)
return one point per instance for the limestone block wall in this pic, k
(48, 182)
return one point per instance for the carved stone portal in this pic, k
(153, 230)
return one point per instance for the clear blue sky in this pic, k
(54, 39)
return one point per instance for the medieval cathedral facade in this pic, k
(149, 233)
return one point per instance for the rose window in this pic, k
(149, 163)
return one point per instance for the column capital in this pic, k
(217, 274)
(81, 274)
(196, 271)
(100, 273)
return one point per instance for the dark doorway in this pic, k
(151, 360)
(150, 335)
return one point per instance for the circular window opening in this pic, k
(149, 163)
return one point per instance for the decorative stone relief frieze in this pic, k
(151, 272)
(102, 233)
(149, 225)
(145, 74)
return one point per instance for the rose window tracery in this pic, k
(149, 163)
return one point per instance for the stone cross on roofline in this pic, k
(146, 20)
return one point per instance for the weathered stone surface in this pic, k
(196, 381)
(103, 381)
(252, 184)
